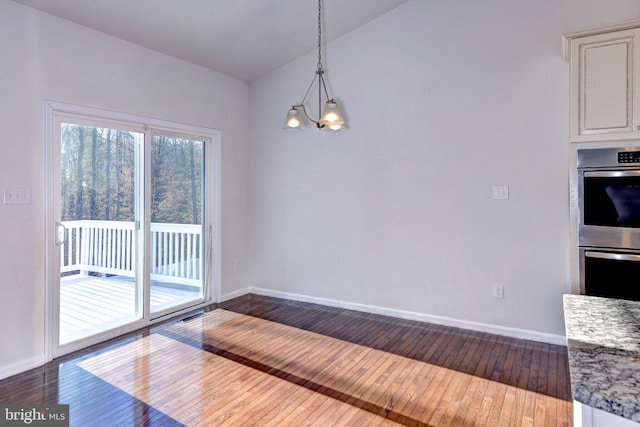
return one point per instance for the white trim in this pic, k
(620, 26)
(234, 294)
(49, 231)
(21, 366)
(213, 218)
(420, 317)
(175, 128)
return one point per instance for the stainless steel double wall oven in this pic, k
(609, 222)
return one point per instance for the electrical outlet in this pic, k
(498, 291)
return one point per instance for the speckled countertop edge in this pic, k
(603, 340)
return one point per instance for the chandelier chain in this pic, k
(319, 34)
(331, 118)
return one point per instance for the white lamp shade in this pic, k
(331, 118)
(294, 119)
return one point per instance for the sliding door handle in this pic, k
(61, 233)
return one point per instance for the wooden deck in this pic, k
(264, 361)
(91, 304)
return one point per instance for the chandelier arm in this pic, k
(320, 82)
(309, 89)
(326, 94)
(304, 110)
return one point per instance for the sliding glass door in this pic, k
(129, 214)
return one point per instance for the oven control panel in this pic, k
(603, 158)
(629, 157)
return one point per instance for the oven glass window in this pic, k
(612, 201)
(612, 278)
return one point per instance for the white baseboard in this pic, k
(23, 365)
(234, 294)
(420, 317)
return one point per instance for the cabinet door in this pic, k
(602, 86)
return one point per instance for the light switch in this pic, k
(500, 192)
(17, 196)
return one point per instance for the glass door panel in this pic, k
(100, 284)
(177, 250)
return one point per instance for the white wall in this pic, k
(42, 57)
(444, 100)
(373, 215)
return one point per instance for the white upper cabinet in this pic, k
(604, 94)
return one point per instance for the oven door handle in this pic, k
(611, 174)
(612, 256)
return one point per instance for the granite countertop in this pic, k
(603, 339)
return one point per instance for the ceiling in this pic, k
(245, 39)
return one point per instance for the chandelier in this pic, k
(331, 118)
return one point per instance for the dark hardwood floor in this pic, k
(468, 377)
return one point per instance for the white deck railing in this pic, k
(107, 247)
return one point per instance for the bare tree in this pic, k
(192, 169)
(80, 174)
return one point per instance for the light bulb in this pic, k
(293, 123)
(331, 117)
(293, 120)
